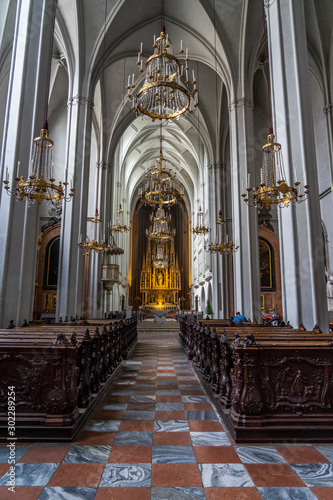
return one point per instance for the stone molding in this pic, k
(77, 99)
(328, 108)
(240, 103)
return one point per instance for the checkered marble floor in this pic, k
(156, 436)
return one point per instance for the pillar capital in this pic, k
(77, 99)
(240, 103)
(328, 109)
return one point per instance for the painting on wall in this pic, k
(267, 274)
(51, 264)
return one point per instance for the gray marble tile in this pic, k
(287, 493)
(145, 377)
(123, 382)
(169, 407)
(173, 455)
(177, 493)
(195, 387)
(67, 493)
(171, 392)
(133, 439)
(210, 439)
(201, 415)
(124, 475)
(31, 474)
(259, 455)
(142, 399)
(19, 452)
(160, 383)
(315, 474)
(224, 475)
(185, 378)
(171, 426)
(195, 399)
(103, 425)
(170, 375)
(327, 451)
(139, 415)
(87, 454)
(112, 406)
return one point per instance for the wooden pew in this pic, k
(81, 363)
(213, 350)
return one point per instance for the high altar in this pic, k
(160, 287)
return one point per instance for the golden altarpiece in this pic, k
(160, 286)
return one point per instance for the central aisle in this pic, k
(155, 436)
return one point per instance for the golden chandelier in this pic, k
(222, 245)
(159, 230)
(163, 95)
(39, 185)
(273, 188)
(119, 226)
(200, 227)
(160, 189)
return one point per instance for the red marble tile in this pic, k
(185, 392)
(45, 453)
(123, 494)
(21, 493)
(322, 493)
(301, 455)
(198, 406)
(95, 438)
(77, 475)
(145, 382)
(172, 439)
(274, 475)
(166, 371)
(216, 454)
(130, 454)
(116, 399)
(136, 426)
(145, 392)
(170, 415)
(4, 468)
(168, 399)
(205, 426)
(236, 493)
(175, 475)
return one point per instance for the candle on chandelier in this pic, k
(141, 47)
(133, 79)
(181, 44)
(186, 53)
(129, 80)
(193, 77)
(18, 168)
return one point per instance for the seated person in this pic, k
(239, 318)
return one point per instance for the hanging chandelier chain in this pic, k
(50, 64)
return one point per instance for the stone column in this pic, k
(74, 218)
(244, 218)
(302, 259)
(25, 115)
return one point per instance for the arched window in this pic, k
(51, 264)
(267, 271)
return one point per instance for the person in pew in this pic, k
(239, 318)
